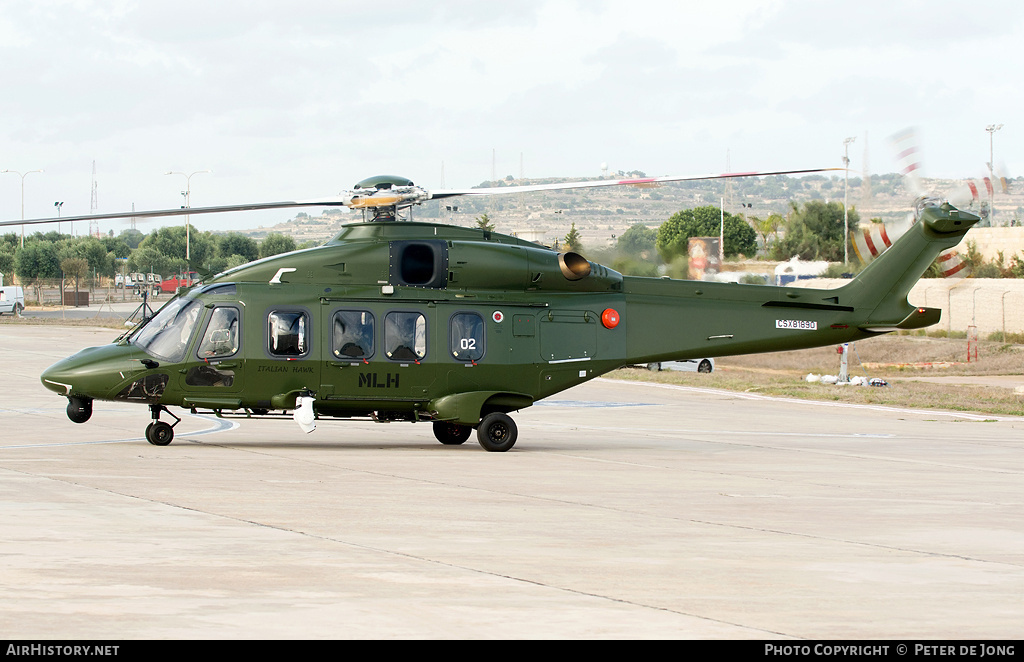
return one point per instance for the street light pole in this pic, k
(188, 194)
(991, 128)
(58, 205)
(846, 193)
(22, 198)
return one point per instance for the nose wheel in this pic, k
(79, 409)
(159, 433)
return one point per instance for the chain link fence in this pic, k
(90, 291)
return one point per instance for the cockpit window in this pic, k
(221, 336)
(167, 335)
(219, 288)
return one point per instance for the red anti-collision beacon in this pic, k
(610, 318)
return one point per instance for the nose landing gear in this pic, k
(159, 433)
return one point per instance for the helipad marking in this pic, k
(219, 425)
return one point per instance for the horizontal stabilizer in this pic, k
(920, 318)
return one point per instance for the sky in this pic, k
(292, 101)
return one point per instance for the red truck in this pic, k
(173, 283)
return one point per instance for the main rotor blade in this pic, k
(640, 182)
(416, 195)
(185, 211)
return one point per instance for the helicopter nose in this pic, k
(57, 378)
(91, 372)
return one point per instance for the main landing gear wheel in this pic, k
(451, 434)
(497, 433)
(159, 433)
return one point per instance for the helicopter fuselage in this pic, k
(417, 321)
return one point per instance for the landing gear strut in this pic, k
(159, 433)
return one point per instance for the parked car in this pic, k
(172, 284)
(12, 299)
(689, 365)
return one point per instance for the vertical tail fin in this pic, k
(883, 286)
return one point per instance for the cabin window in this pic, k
(288, 333)
(353, 334)
(405, 336)
(221, 336)
(466, 337)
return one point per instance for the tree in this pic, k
(275, 244)
(236, 261)
(638, 241)
(815, 232)
(630, 266)
(8, 249)
(235, 243)
(484, 223)
(170, 241)
(146, 259)
(674, 234)
(573, 241)
(117, 245)
(767, 226)
(6, 260)
(132, 238)
(89, 248)
(74, 267)
(38, 259)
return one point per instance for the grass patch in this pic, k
(1011, 338)
(899, 393)
(783, 374)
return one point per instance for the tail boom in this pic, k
(673, 319)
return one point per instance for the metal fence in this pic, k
(54, 291)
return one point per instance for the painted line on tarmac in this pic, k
(583, 403)
(673, 432)
(219, 425)
(820, 403)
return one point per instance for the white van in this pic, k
(12, 299)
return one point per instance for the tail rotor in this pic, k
(973, 195)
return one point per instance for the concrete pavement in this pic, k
(624, 511)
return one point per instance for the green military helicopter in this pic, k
(408, 321)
